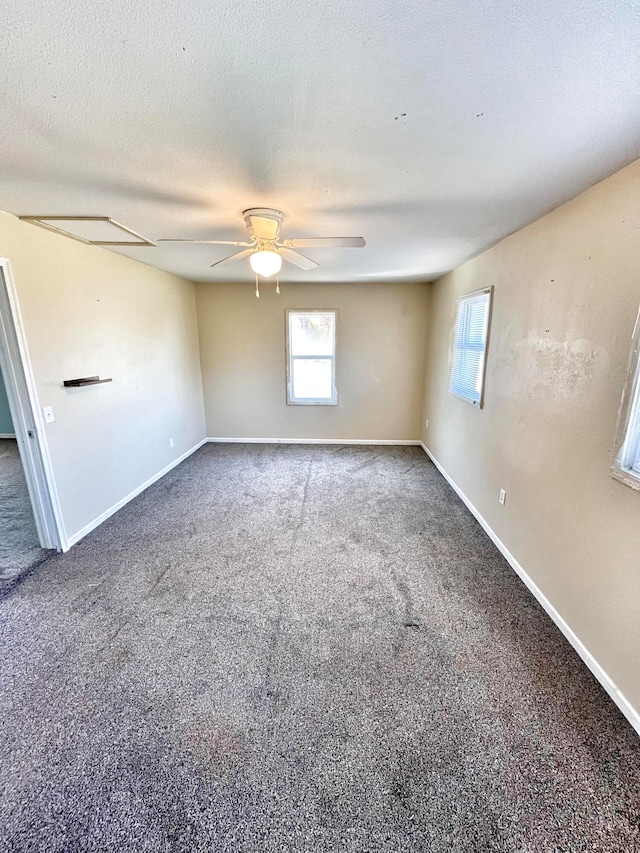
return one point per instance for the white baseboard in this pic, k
(76, 537)
(632, 715)
(372, 441)
(7, 435)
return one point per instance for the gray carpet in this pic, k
(19, 547)
(301, 649)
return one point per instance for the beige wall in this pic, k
(566, 295)
(379, 364)
(87, 311)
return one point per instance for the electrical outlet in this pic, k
(170, 442)
(49, 417)
(503, 496)
(426, 423)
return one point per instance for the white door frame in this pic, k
(27, 417)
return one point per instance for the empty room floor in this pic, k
(300, 648)
(19, 547)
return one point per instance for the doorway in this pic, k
(30, 520)
(19, 543)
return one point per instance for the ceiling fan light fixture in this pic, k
(265, 262)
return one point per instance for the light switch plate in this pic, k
(49, 417)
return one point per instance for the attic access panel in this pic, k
(94, 230)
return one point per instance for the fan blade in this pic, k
(235, 257)
(321, 242)
(212, 242)
(298, 259)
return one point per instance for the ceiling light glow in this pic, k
(265, 263)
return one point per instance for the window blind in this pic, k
(626, 461)
(632, 445)
(470, 341)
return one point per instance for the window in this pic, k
(470, 345)
(626, 464)
(311, 358)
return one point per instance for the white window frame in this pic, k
(626, 461)
(309, 401)
(486, 294)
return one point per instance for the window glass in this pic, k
(311, 344)
(312, 334)
(312, 378)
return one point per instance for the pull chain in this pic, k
(257, 288)
(277, 283)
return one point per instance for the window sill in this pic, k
(312, 402)
(627, 476)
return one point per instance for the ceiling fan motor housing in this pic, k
(263, 223)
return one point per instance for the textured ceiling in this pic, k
(430, 128)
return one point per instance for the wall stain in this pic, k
(539, 368)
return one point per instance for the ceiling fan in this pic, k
(266, 250)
